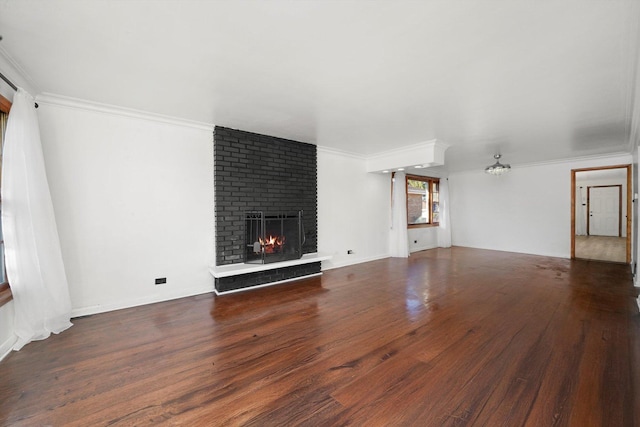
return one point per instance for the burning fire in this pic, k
(272, 244)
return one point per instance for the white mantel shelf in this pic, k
(238, 269)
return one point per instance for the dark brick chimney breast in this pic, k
(254, 172)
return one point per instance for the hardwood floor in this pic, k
(449, 337)
(603, 248)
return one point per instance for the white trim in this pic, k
(608, 156)
(425, 154)
(7, 346)
(238, 269)
(636, 284)
(95, 309)
(546, 254)
(403, 149)
(423, 248)
(580, 159)
(17, 74)
(264, 285)
(69, 102)
(339, 152)
(440, 145)
(356, 261)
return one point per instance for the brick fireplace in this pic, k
(260, 173)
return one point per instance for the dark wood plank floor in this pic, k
(450, 337)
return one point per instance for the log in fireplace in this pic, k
(273, 237)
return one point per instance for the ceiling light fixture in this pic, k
(497, 168)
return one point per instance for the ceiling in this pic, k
(536, 81)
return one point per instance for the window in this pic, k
(423, 201)
(5, 291)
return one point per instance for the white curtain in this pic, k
(444, 230)
(32, 248)
(399, 239)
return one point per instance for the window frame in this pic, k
(429, 182)
(5, 289)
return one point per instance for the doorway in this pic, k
(601, 213)
(604, 210)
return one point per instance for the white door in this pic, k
(604, 211)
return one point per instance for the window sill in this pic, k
(5, 294)
(437, 224)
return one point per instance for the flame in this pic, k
(272, 244)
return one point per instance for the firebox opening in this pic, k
(273, 237)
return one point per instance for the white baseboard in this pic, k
(327, 266)
(422, 248)
(636, 284)
(119, 305)
(5, 347)
(516, 251)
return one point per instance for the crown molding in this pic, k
(336, 151)
(16, 73)
(620, 157)
(423, 155)
(80, 104)
(400, 150)
(595, 157)
(434, 144)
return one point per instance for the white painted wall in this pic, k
(527, 210)
(133, 197)
(353, 210)
(423, 238)
(635, 211)
(7, 336)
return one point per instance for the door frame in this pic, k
(628, 210)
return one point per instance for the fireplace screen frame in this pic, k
(259, 226)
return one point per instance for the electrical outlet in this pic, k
(161, 281)
(350, 252)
